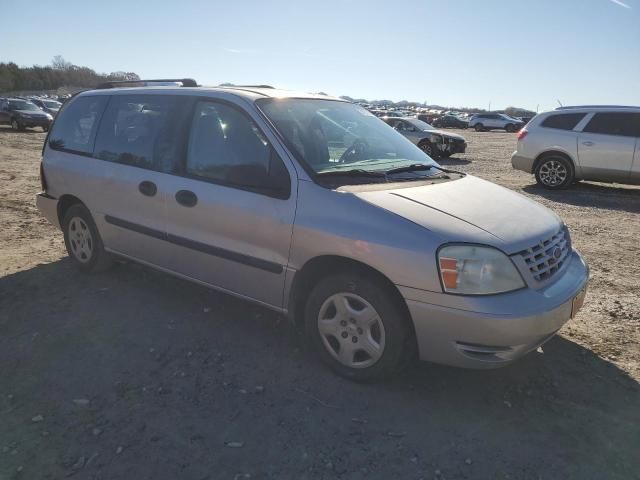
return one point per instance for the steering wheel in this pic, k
(356, 150)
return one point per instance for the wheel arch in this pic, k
(555, 152)
(318, 267)
(64, 203)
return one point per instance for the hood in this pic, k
(471, 210)
(446, 134)
(31, 113)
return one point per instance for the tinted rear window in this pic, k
(75, 128)
(146, 131)
(564, 121)
(615, 123)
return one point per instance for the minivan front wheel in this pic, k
(479, 127)
(356, 328)
(83, 241)
(554, 172)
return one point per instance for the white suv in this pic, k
(599, 143)
(495, 121)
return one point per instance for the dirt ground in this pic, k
(133, 374)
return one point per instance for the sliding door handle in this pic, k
(148, 188)
(186, 198)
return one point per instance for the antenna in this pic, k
(559, 103)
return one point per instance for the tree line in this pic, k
(60, 74)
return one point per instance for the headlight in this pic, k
(49, 117)
(477, 270)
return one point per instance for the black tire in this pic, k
(98, 259)
(16, 125)
(554, 172)
(430, 149)
(479, 127)
(398, 346)
(510, 127)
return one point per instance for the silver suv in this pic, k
(313, 207)
(483, 122)
(599, 143)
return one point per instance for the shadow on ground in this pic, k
(8, 129)
(453, 161)
(183, 382)
(598, 195)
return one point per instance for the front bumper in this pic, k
(35, 122)
(48, 206)
(454, 146)
(492, 331)
(519, 162)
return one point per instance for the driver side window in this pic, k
(226, 147)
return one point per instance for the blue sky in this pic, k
(449, 52)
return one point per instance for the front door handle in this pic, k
(588, 144)
(186, 198)
(148, 188)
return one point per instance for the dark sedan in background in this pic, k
(450, 121)
(21, 114)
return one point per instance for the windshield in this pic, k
(419, 124)
(51, 103)
(334, 136)
(22, 105)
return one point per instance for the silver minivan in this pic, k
(313, 207)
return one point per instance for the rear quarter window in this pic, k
(563, 121)
(624, 124)
(75, 128)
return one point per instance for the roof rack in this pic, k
(246, 86)
(186, 82)
(594, 106)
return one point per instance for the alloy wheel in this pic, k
(553, 173)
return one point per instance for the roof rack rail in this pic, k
(247, 86)
(594, 106)
(186, 82)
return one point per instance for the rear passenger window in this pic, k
(615, 123)
(145, 131)
(565, 121)
(227, 147)
(75, 129)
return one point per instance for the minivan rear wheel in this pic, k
(356, 328)
(83, 242)
(554, 172)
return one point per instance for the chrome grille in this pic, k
(548, 256)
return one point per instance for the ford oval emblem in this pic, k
(557, 253)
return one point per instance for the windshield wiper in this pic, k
(416, 167)
(354, 172)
